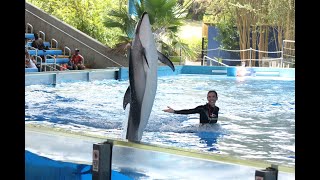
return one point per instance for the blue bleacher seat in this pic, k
(45, 44)
(31, 70)
(42, 53)
(58, 60)
(29, 35)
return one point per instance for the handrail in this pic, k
(250, 58)
(56, 43)
(64, 51)
(36, 58)
(74, 38)
(31, 28)
(43, 35)
(33, 48)
(38, 63)
(283, 48)
(54, 62)
(51, 68)
(215, 60)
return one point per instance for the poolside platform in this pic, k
(142, 161)
(122, 73)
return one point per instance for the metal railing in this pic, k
(288, 53)
(65, 49)
(27, 28)
(42, 35)
(55, 42)
(210, 60)
(265, 58)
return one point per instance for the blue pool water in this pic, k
(256, 118)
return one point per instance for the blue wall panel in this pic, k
(213, 44)
(123, 73)
(39, 167)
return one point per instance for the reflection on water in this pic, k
(256, 118)
(210, 139)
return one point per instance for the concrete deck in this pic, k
(135, 162)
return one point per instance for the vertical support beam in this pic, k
(88, 76)
(282, 49)
(102, 161)
(250, 57)
(202, 51)
(180, 57)
(54, 79)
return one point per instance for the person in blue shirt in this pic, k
(208, 112)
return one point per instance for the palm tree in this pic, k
(122, 20)
(165, 18)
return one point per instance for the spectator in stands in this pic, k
(29, 60)
(26, 43)
(64, 67)
(26, 40)
(38, 42)
(69, 64)
(76, 61)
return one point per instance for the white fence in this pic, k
(283, 58)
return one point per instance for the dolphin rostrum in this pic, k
(143, 67)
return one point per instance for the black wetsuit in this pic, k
(208, 114)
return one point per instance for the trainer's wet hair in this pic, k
(213, 91)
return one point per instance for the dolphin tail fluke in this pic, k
(127, 98)
(165, 60)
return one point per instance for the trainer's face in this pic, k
(212, 98)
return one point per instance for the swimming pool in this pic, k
(256, 119)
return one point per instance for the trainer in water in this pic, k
(143, 73)
(208, 112)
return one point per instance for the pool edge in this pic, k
(164, 149)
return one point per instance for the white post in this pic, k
(250, 57)
(282, 53)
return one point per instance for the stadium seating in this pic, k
(53, 55)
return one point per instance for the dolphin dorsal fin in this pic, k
(165, 60)
(127, 98)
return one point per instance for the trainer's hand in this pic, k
(170, 110)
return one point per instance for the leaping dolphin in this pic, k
(143, 77)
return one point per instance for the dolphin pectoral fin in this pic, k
(127, 98)
(165, 60)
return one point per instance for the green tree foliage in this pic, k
(219, 15)
(84, 15)
(120, 19)
(227, 29)
(166, 16)
(251, 16)
(197, 9)
(108, 21)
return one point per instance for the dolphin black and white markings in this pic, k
(143, 77)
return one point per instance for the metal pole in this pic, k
(180, 57)
(282, 53)
(202, 51)
(250, 57)
(101, 161)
